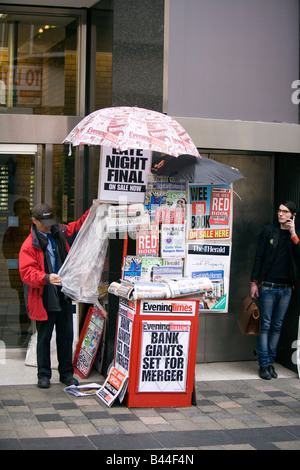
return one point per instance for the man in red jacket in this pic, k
(41, 256)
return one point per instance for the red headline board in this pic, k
(163, 353)
(89, 341)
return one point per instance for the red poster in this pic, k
(147, 241)
(89, 341)
(220, 206)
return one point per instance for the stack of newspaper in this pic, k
(164, 290)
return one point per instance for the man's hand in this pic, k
(290, 224)
(55, 279)
(254, 291)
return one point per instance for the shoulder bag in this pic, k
(248, 320)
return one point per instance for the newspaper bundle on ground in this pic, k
(112, 387)
(163, 290)
(83, 390)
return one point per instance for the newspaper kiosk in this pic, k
(156, 348)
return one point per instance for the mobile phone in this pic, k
(293, 216)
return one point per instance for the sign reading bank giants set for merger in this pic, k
(164, 356)
(165, 345)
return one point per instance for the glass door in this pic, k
(18, 176)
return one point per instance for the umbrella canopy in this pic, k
(125, 128)
(194, 170)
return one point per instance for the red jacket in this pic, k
(32, 269)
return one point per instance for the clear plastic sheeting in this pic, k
(81, 271)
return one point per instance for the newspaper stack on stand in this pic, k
(116, 382)
(164, 290)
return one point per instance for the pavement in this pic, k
(235, 410)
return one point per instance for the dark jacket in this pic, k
(266, 246)
(35, 268)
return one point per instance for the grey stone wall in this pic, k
(138, 46)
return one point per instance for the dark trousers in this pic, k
(63, 321)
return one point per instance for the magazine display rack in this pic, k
(179, 267)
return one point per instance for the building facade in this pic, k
(220, 67)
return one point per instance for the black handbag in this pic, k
(248, 320)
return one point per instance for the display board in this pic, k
(89, 340)
(123, 174)
(163, 353)
(208, 244)
(164, 356)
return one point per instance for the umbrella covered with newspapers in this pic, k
(125, 128)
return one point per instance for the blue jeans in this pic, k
(273, 304)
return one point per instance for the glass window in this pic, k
(63, 184)
(104, 60)
(38, 64)
(19, 172)
(17, 186)
(101, 60)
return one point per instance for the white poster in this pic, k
(124, 334)
(211, 261)
(172, 241)
(123, 175)
(164, 356)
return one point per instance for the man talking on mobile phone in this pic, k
(272, 280)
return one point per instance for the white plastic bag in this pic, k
(31, 358)
(81, 271)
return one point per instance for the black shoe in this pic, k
(69, 381)
(264, 373)
(272, 372)
(44, 382)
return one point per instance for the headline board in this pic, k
(172, 240)
(124, 335)
(211, 261)
(89, 341)
(164, 356)
(210, 212)
(114, 386)
(123, 174)
(116, 382)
